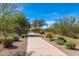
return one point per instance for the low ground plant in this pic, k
(15, 36)
(8, 41)
(49, 35)
(70, 44)
(60, 41)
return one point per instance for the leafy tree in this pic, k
(10, 19)
(66, 26)
(6, 19)
(22, 23)
(7, 25)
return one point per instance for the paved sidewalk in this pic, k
(39, 47)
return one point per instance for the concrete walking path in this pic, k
(37, 46)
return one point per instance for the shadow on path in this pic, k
(12, 47)
(77, 49)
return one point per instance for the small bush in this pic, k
(42, 32)
(16, 38)
(51, 39)
(1, 39)
(70, 44)
(22, 36)
(7, 42)
(49, 35)
(60, 40)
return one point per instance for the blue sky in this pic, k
(49, 11)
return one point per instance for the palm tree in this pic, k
(38, 24)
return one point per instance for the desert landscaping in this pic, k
(39, 30)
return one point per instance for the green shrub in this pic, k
(51, 39)
(16, 38)
(60, 40)
(49, 35)
(7, 42)
(70, 44)
(22, 35)
(42, 32)
(1, 39)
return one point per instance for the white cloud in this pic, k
(19, 8)
(50, 22)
